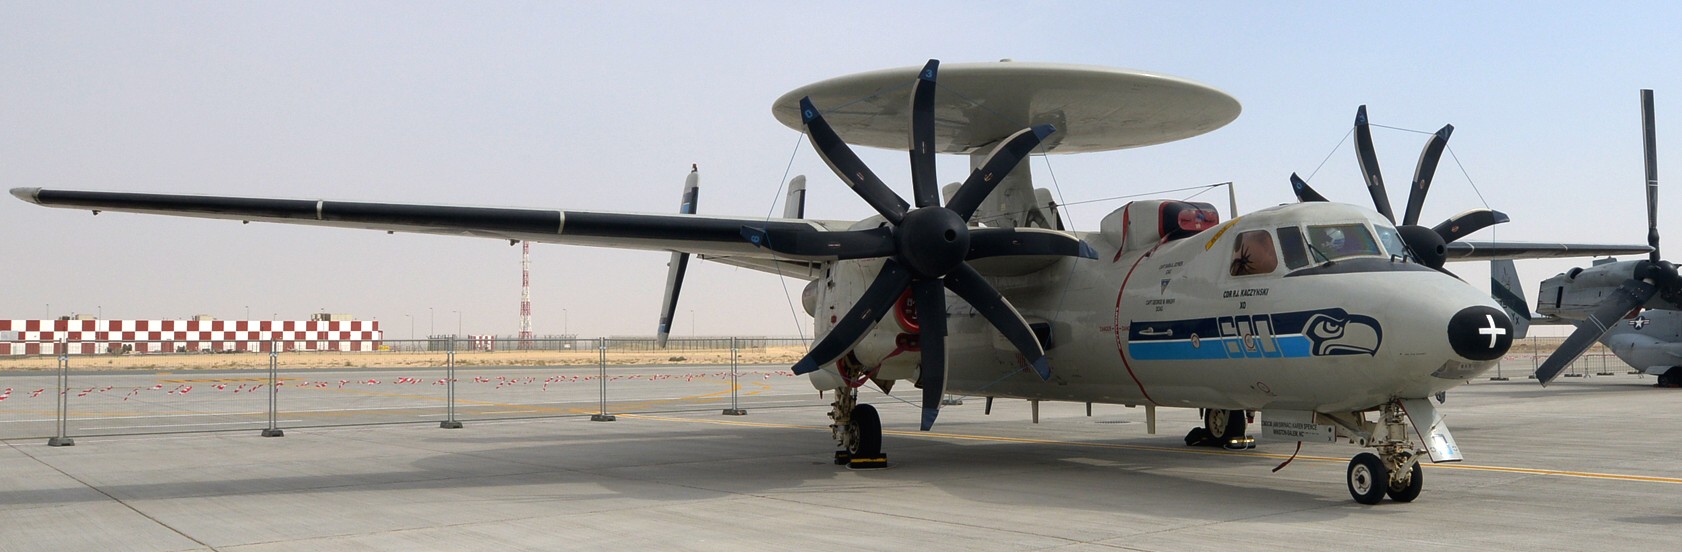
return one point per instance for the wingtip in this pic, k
(27, 194)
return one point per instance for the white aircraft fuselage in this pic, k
(1177, 324)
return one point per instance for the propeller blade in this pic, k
(1304, 192)
(924, 190)
(847, 165)
(1463, 224)
(999, 164)
(1649, 156)
(998, 242)
(1632, 294)
(1369, 165)
(852, 244)
(1424, 172)
(969, 285)
(931, 318)
(877, 300)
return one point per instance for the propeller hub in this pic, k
(1427, 246)
(932, 241)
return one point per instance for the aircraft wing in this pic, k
(715, 238)
(1468, 251)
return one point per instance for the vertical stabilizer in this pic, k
(795, 207)
(1506, 289)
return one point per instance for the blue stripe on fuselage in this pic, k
(1216, 348)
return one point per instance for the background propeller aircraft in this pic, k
(1597, 298)
(1327, 316)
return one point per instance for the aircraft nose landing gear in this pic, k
(1393, 470)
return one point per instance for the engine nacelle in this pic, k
(1574, 294)
(891, 348)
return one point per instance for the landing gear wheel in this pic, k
(1671, 377)
(866, 452)
(1368, 478)
(1409, 491)
(1224, 424)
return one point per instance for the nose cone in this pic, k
(1480, 333)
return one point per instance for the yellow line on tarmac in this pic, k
(1177, 450)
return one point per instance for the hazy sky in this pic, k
(604, 106)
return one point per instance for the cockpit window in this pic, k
(1253, 253)
(1330, 242)
(1391, 240)
(1290, 243)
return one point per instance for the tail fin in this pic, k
(679, 262)
(1504, 286)
(796, 205)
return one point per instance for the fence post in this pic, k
(274, 391)
(1533, 353)
(735, 384)
(450, 421)
(63, 349)
(1498, 376)
(601, 378)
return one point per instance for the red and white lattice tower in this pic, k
(525, 295)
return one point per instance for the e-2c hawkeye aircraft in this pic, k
(1330, 319)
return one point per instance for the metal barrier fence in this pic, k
(450, 381)
(1597, 360)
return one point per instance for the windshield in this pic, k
(1330, 242)
(1391, 240)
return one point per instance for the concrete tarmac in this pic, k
(1588, 463)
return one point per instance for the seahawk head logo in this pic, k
(1348, 334)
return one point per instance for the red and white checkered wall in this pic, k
(87, 337)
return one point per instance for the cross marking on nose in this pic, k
(1492, 331)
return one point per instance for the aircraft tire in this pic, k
(1224, 425)
(1416, 482)
(1367, 478)
(1671, 377)
(869, 443)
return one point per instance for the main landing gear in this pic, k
(1394, 469)
(1222, 428)
(1670, 378)
(857, 430)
